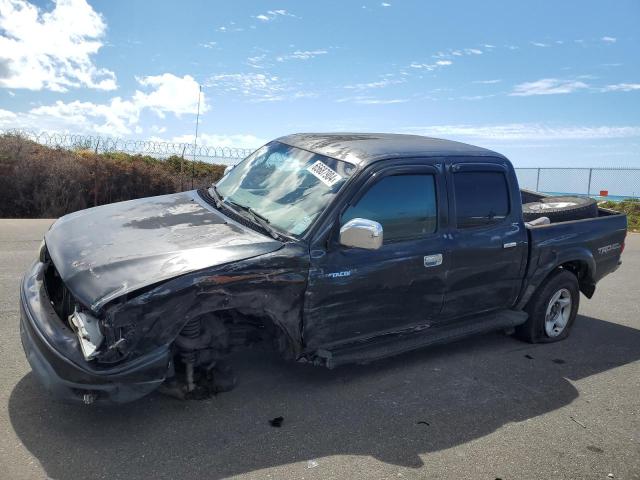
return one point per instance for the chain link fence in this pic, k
(605, 183)
(610, 183)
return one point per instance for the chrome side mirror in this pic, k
(361, 233)
(227, 169)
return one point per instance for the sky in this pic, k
(547, 83)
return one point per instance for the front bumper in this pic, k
(55, 357)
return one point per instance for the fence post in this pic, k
(538, 181)
(95, 175)
(589, 185)
(182, 168)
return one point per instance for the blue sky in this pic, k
(548, 83)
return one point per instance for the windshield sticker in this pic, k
(325, 174)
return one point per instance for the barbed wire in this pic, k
(152, 148)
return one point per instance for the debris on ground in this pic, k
(559, 361)
(578, 422)
(312, 464)
(422, 422)
(276, 422)
(528, 356)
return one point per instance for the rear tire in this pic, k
(552, 309)
(561, 209)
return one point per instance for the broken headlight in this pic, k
(88, 330)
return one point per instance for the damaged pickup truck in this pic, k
(335, 248)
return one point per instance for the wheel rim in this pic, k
(558, 312)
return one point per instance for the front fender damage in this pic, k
(204, 316)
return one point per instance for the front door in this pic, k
(355, 293)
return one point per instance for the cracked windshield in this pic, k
(287, 186)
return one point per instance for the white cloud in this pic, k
(161, 94)
(257, 61)
(522, 131)
(622, 87)
(170, 93)
(609, 39)
(431, 66)
(385, 82)
(51, 50)
(208, 44)
(385, 4)
(157, 129)
(487, 82)
(539, 44)
(547, 86)
(6, 116)
(367, 100)
(273, 14)
(301, 55)
(117, 117)
(238, 140)
(473, 51)
(258, 87)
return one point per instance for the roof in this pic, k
(364, 148)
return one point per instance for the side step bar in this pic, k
(395, 343)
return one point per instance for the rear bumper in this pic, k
(56, 360)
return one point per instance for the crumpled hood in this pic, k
(104, 252)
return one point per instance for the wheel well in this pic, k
(242, 328)
(580, 269)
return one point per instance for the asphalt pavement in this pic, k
(485, 408)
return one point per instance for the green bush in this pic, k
(39, 181)
(629, 206)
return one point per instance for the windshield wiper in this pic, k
(257, 218)
(217, 198)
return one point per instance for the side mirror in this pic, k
(228, 168)
(361, 233)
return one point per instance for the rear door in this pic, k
(488, 240)
(356, 293)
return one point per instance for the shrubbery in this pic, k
(38, 181)
(631, 207)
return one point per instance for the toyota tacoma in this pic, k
(334, 248)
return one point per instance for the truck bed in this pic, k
(593, 245)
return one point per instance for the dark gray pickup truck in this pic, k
(335, 248)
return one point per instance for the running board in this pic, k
(396, 343)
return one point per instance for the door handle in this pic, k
(433, 260)
(509, 245)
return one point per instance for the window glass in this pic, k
(405, 206)
(288, 186)
(482, 198)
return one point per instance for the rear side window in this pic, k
(481, 198)
(405, 206)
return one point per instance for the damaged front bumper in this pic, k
(56, 358)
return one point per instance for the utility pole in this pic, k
(195, 139)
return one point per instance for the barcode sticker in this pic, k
(325, 174)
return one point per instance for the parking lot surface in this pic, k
(485, 408)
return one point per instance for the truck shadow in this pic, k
(395, 410)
